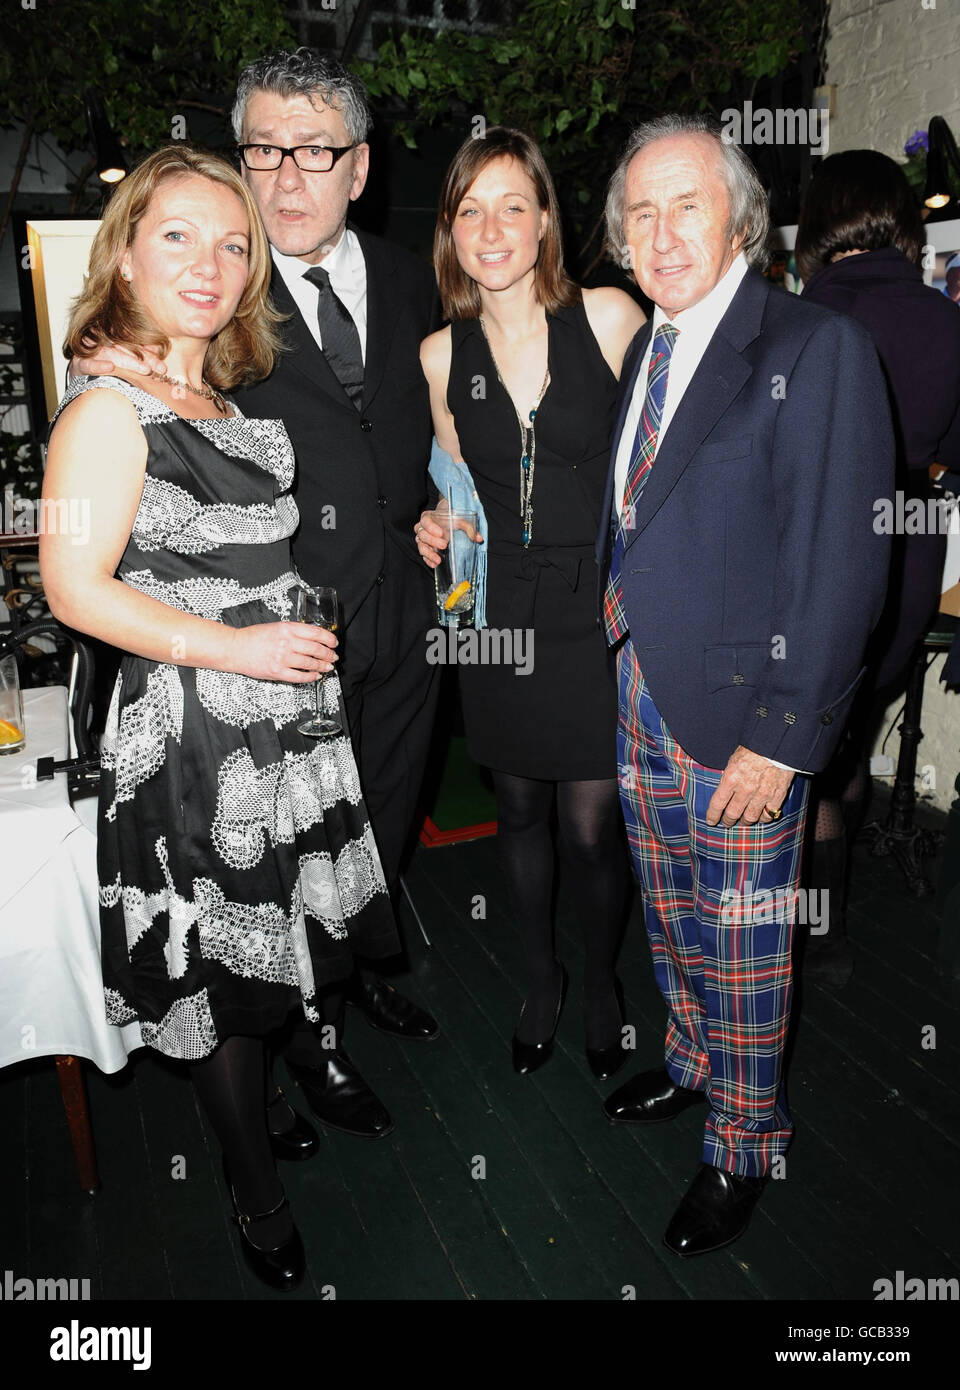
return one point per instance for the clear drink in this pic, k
(12, 728)
(455, 577)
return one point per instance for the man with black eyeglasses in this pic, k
(353, 398)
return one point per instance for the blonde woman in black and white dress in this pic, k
(237, 867)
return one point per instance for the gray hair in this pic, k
(749, 216)
(309, 72)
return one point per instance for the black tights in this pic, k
(588, 816)
(233, 1088)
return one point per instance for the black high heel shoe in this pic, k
(529, 1057)
(282, 1267)
(299, 1141)
(605, 1061)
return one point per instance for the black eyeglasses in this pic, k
(312, 159)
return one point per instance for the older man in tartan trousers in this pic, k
(740, 576)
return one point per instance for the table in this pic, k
(51, 994)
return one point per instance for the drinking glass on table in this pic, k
(12, 737)
(318, 605)
(456, 575)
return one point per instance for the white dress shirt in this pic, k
(695, 327)
(348, 280)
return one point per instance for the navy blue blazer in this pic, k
(754, 575)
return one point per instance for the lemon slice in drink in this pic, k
(455, 595)
(9, 733)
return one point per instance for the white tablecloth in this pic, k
(51, 994)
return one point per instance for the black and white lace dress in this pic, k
(238, 870)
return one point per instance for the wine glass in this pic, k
(318, 605)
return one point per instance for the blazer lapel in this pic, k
(383, 311)
(303, 353)
(719, 378)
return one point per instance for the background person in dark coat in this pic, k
(858, 250)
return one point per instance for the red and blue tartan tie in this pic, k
(644, 446)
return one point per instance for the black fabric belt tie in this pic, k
(529, 562)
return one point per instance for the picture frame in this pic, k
(52, 266)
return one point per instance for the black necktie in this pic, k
(339, 336)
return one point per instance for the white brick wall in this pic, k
(895, 64)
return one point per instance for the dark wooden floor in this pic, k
(568, 1206)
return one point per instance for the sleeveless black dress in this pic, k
(559, 722)
(238, 870)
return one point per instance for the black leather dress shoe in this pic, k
(389, 1011)
(283, 1266)
(714, 1212)
(529, 1057)
(341, 1099)
(649, 1098)
(299, 1141)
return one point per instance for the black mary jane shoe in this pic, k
(299, 1141)
(282, 1267)
(605, 1062)
(530, 1057)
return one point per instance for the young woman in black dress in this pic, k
(528, 368)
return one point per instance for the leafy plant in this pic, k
(152, 61)
(577, 73)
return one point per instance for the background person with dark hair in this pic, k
(858, 250)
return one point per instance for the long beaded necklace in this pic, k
(528, 442)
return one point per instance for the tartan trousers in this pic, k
(720, 909)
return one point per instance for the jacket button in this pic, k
(826, 719)
(366, 426)
(381, 501)
(379, 578)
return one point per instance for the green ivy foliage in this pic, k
(577, 73)
(144, 57)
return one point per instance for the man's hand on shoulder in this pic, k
(750, 783)
(111, 357)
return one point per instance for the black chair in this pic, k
(83, 771)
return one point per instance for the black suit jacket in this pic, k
(361, 479)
